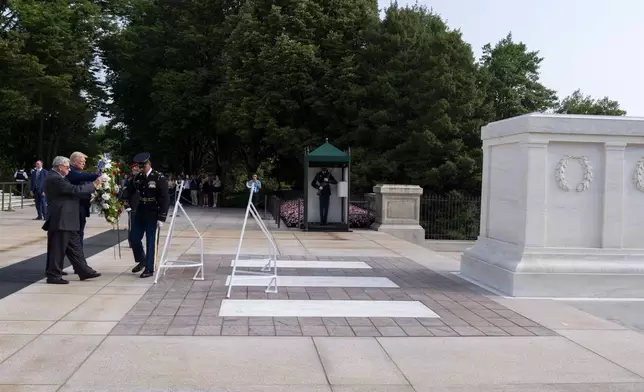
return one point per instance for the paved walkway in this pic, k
(359, 311)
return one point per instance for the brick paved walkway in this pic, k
(179, 306)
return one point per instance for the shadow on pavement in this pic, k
(19, 275)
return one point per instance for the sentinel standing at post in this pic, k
(322, 182)
(151, 212)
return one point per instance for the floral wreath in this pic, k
(560, 173)
(106, 197)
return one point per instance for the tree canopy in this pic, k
(239, 86)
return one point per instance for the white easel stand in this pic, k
(270, 268)
(165, 264)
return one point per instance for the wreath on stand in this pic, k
(560, 173)
(106, 197)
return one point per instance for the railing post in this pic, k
(2, 207)
(10, 197)
(299, 217)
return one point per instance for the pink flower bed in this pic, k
(359, 218)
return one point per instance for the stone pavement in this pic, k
(121, 333)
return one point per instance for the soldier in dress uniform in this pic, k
(322, 182)
(130, 198)
(150, 188)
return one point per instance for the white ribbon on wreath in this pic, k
(560, 173)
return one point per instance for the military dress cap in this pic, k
(142, 157)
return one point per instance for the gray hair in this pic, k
(59, 161)
(76, 156)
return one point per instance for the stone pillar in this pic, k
(562, 211)
(613, 224)
(397, 210)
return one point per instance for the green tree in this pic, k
(163, 72)
(289, 75)
(49, 85)
(578, 103)
(420, 106)
(510, 74)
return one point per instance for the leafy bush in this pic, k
(293, 210)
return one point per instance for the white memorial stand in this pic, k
(164, 263)
(270, 268)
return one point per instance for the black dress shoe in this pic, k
(57, 281)
(64, 273)
(147, 274)
(137, 268)
(89, 275)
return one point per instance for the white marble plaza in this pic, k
(55, 338)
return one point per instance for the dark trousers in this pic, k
(324, 208)
(137, 230)
(81, 232)
(60, 244)
(130, 217)
(41, 204)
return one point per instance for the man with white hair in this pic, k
(77, 177)
(62, 223)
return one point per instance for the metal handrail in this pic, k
(10, 187)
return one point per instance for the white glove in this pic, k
(159, 224)
(326, 180)
(320, 188)
(128, 209)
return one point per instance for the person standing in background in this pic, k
(194, 190)
(186, 189)
(37, 187)
(206, 187)
(20, 176)
(216, 186)
(255, 185)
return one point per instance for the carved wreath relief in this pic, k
(562, 181)
(638, 175)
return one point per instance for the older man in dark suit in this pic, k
(62, 224)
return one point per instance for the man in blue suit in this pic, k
(77, 177)
(37, 187)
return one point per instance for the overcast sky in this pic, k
(594, 45)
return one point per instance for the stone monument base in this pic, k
(411, 233)
(397, 211)
(555, 272)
